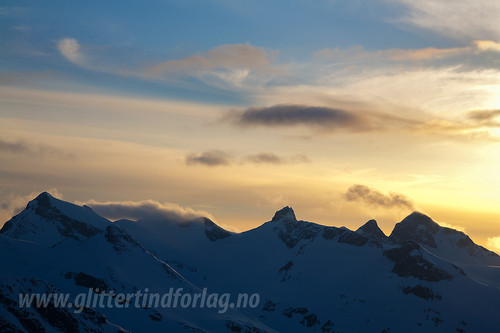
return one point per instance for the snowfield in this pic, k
(308, 277)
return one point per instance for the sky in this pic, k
(344, 110)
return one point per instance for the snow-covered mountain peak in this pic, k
(372, 231)
(47, 220)
(417, 227)
(285, 214)
(213, 231)
(44, 199)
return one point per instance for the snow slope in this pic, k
(310, 278)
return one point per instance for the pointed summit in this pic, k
(417, 227)
(47, 220)
(371, 230)
(286, 213)
(43, 199)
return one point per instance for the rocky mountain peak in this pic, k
(417, 227)
(286, 213)
(371, 230)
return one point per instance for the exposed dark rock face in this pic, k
(343, 235)
(86, 280)
(213, 231)
(290, 311)
(269, 306)
(327, 327)
(296, 231)
(371, 230)
(59, 318)
(415, 227)
(286, 213)
(422, 292)
(237, 327)
(285, 270)
(409, 261)
(293, 231)
(66, 226)
(43, 315)
(422, 229)
(120, 239)
(310, 320)
(156, 316)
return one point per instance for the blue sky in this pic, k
(131, 35)
(238, 108)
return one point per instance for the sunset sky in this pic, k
(344, 110)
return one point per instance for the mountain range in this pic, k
(306, 277)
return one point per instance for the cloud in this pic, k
(12, 204)
(271, 158)
(209, 158)
(476, 126)
(219, 158)
(485, 116)
(456, 19)
(137, 210)
(70, 49)
(283, 115)
(493, 243)
(358, 54)
(487, 45)
(34, 149)
(229, 56)
(452, 226)
(375, 198)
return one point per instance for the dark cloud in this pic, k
(17, 147)
(209, 158)
(138, 210)
(485, 116)
(36, 149)
(293, 115)
(373, 197)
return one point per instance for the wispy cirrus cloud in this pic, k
(456, 19)
(229, 66)
(34, 149)
(229, 56)
(358, 54)
(375, 198)
(476, 125)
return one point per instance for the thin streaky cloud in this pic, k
(34, 149)
(484, 115)
(229, 56)
(456, 19)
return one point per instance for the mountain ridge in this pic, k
(309, 277)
